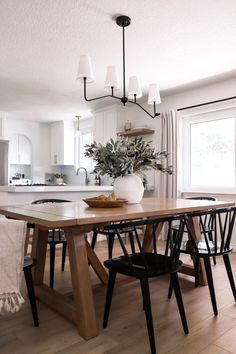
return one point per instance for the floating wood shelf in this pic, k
(136, 132)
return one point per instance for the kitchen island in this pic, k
(12, 195)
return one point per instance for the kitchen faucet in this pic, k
(86, 174)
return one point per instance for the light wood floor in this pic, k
(126, 332)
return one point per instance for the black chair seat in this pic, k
(202, 249)
(28, 262)
(153, 266)
(206, 229)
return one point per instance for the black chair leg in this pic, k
(31, 294)
(143, 295)
(196, 270)
(110, 288)
(170, 291)
(148, 313)
(207, 264)
(131, 240)
(63, 259)
(52, 263)
(211, 239)
(110, 242)
(94, 239)
(175, 282)
(230, 274)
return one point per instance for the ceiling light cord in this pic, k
(124, 99)
(85, 74)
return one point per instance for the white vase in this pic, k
(129, 187)
(58, 180)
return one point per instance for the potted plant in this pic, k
(59, 178)
(126, 160)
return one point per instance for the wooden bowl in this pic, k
(100, 203)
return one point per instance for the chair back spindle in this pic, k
(222, 221)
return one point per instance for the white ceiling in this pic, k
(173, 43)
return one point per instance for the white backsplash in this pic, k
(72, 178)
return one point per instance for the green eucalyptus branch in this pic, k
(125, 156)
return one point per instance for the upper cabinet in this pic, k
(20, 150)
(62, 143)
(105, 125)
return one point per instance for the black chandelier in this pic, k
(85, 75)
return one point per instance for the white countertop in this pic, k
(53, 188)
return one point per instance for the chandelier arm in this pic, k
(118, 98)
(97, 98)
(153, 116)
(92, 99)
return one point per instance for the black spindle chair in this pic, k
(217, 245)
(55, 237)
(144, 265)
(208, 227)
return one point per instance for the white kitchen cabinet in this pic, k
(105, 125)
(20, 150)
(98, 127)
(2, 121)
(62, 143)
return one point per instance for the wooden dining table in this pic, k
(77, 219)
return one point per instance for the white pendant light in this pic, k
(153, 94)
(134, 87)
(77, 130)
(111, 78)
(85, 69)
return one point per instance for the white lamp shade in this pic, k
(134, 87)
(111, 78)
(85, 69)
(153, 94)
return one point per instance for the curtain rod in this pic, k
(206, 103)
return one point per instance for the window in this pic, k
(209, 152)
(84, 137)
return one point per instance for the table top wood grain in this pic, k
(78, 213)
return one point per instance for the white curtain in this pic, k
(169, 183)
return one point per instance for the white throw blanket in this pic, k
(12, 239)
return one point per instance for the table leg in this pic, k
(147, 240)
(96, 264)
(193, 224)
(81, 284)
(39, 250)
